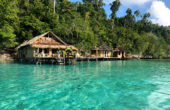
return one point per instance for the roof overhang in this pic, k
(54, 46)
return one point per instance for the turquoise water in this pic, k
(108, 85)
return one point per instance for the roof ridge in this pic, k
(29, 42)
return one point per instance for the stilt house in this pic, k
(102, 51)
(44, 45)
(119, 52)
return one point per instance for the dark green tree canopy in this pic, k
(83, 24)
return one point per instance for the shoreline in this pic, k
(6, 59)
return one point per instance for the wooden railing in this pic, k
(41, 55)
(54, 55)
(47, 55)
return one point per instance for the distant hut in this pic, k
(119, 52)
(44, 45)
(102, 51)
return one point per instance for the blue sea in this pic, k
(106, 85)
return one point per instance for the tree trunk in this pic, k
(72, 39)
(64, 37)
(28, 6)
(112, 25)
(77, 38)
(54, 6)
(77, 35)
(125, 22)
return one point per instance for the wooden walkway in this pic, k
(64, 61)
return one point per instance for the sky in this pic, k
(159, 9)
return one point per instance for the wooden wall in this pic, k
(26, 52)
(30, 52)
(119, 54)
(109, 53)
(19, 53)
(101, 53)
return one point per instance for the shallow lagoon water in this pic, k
(108, 85)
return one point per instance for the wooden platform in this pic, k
(81, 58)
(62, 60)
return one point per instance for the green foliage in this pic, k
(137, 13)
(64, 53)
(68, 49)
(8, 38)
(73, 53)
(84, 25)
(8, 22)
(114, 8)
(59, 51)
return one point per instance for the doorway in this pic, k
(46, 51)
(105, 54)
(123, 55)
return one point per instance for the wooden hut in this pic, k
(102, 51)
(119, 52)
(44, 45)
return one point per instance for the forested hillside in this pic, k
(82, 24)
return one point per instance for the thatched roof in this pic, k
(30, 42)
(120, 49)
(54, 46)
(103, 47)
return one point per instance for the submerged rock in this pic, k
(21, 105)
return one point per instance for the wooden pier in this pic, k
(63, 61)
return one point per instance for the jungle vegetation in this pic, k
(83, 24)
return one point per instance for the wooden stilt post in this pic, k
(38, 51)
(96, 60)
(37, 61)
(40, 61)
(96, 52)
(81, 61)
(52, 60)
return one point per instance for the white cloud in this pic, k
(130, 2)
(160, 13)
(135, 2)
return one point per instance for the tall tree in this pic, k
(137, 13)
(146, 15)
(129, 18)
(114, 8)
